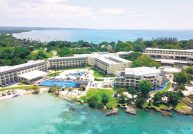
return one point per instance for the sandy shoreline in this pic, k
(20, 92)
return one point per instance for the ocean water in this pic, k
(97, 36)
(46, 114)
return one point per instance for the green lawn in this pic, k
(25, 87)
(181, 106)
(99, 93)
(55, 73)
(98, 74)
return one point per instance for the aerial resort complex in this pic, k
(75, 77)
(96, 67)
(34, 70)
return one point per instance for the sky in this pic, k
(98, 14)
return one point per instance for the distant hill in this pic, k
(10, 29)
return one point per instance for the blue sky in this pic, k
(99, 14)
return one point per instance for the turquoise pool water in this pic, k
(45, 114)
(51, 83)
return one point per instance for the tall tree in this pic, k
(145, 87)
(181, 78)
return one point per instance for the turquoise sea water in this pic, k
(92, 35)
(45, 114)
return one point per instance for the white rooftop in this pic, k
(123, 52)
(33, 75)
(141, 71)
(2, 68)
(113, 59)
(170, 61)
(171, 70)
(188, 50)
(104, 59)
(29, 63)
(70, 57)
(119, 59)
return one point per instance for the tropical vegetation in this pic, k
(16, 51)
(100, 98)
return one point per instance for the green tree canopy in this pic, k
(105, 99)
(124, 46)
(145, 60)
(145, 87)
(180, 78)
(132, 90)
(133, 56)
(98, 98)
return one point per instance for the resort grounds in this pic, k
(83, 84)
(66, 79)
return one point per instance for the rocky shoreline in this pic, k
(185, 107)
(131, 109)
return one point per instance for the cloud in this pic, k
(43, 9)
(18, 2)
(113, 11)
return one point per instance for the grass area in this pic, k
(25, 87)
(98, 79)
(55, 73)
(181, 106)
(98, 93)
(98, 74)
(164, 90)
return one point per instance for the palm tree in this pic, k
(82, 87)
(35, 89)
(56, 89)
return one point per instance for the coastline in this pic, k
(22, 92)
(132, 110)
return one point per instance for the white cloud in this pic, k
(114, 11)
(97, 13)
(43, 8)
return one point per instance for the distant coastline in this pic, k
(98, 36)
(12, 29)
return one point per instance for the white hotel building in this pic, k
(10, 74)
(171, 57)
(131, 77)
(68, 62)
(109, 63)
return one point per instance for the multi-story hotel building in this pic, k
(9, 74)
(109, 63)
(171, 56)
(68, 62)
(112, 64)
(131, 77)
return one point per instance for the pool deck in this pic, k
(85, 74)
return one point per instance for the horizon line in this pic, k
(50, 28)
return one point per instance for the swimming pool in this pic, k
(51, 83)
(163, 86)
